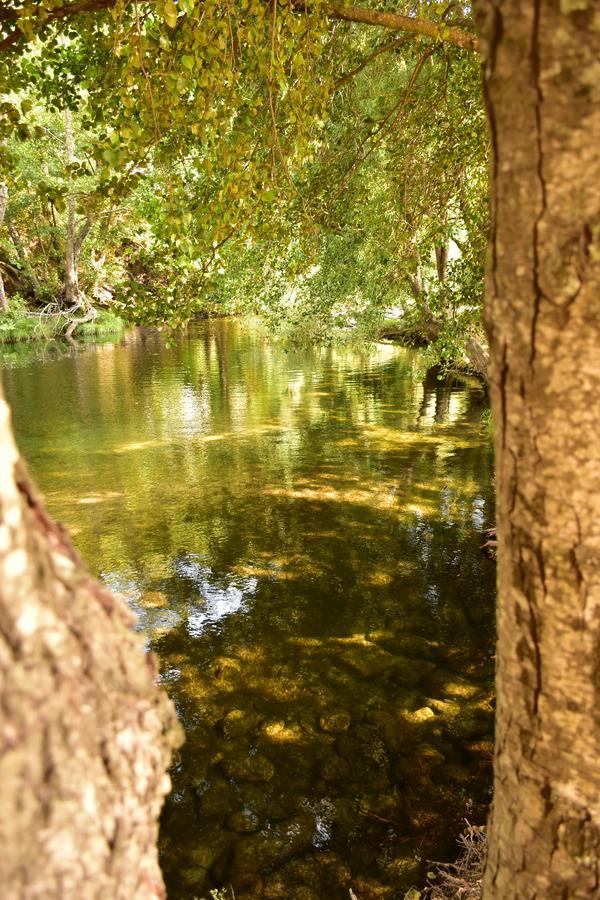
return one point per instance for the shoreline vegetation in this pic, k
(20, 324)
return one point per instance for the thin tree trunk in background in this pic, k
(543, 318)
(72, 293)
(3, 204)
(86, 736)
(441, 261)
(24, 259)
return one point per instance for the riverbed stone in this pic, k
(237, 723)
(481, 748)
(212, 849)
(225, 669)
(248, 768)
(154, 600)
(412, 646)
(269, 802)
(468, 727)
(448, 708)
(368, 659)
(430, 755)
(244, 821)
(404, 869)
(446, 685)
(214, 798)
(323, 873)
(419, 716)
(335, 769)
(194, 878)
(256, 853)
(394, 731)
(370, 889)
(411, 672)
(335, 721)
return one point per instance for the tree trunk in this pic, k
(24, 260)
(72, 292)
(85, 734)
(441, 261)
(3, 204)
(543, 320)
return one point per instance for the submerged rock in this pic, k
(403, 870)
(430, 755)
(248, 768)
(481, 748)
(154, 600)
(335, 769)
(369, 889)
(448, 708)
(368, 659)
(418, 716)
(335, 721)
(214, 798)
(243, 822)
(237, 723)
(272, 847)
(320, 874)
(395, 732)
(194, 878)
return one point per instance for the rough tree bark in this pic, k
(85, 734)
(542, 80)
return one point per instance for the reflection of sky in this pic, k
(478, 512)
(219, 597)
(216, 598)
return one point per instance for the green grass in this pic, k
(19, 325)
(106, 323)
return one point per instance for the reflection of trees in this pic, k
(148, 435)
(343, 487)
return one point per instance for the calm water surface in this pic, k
(299, 534)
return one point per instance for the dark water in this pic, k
(299, 533)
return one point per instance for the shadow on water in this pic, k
(299, 534)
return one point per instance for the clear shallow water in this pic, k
(299, 534)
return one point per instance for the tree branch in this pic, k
(390, 45)
(438, 31)
(395, 22)
(61, 12)
(83, 233)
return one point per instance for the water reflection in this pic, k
(299, 534)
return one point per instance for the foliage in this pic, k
(18, 324)
(241, 156)
(105, 323)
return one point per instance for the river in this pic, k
(299, 533)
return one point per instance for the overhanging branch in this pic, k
(395, 22)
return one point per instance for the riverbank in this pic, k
(470, 356)
(19, 324)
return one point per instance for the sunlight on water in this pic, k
(299, 535)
